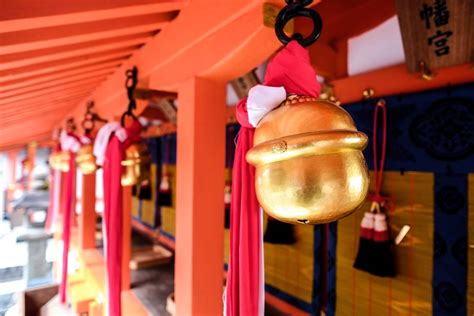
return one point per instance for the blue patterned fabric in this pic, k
(450, 245)
(433, 131)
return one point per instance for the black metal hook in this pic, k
(70, 125)
(292, 10)
(130, 84)
(90, 117)
(88, 123)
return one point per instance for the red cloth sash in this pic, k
(291, 68)
(113, 216)
(68, 209)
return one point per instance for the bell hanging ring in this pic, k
(309, 163)
(137, 164)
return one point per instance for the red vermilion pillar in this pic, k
(127, 237)
(87, 217)
(199, 206)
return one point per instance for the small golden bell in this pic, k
(309, 163)
(86, 160)
(137, 163)
(59, 161)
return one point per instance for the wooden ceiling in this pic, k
(54, 53)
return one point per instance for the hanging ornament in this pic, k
(364, 259)
(309, 163)
(376, 250)
(144, 190)
(59, 160)
(278, 232)
(137, 164)
(85, 158)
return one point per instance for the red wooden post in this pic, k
(199, 206)
(87, 217)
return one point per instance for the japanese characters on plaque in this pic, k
(436, 32)
(435, 17)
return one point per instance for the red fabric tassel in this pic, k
(113, 216)
(67, 214)
(291, 69)
(375, 254)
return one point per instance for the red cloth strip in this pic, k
(69, 180)
(113, 216)
(113, 220)
(291, 69)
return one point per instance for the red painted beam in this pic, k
(397, 80)
(36, 111)
(47, 55)
(234, 30)
(41, 101)
(82, 38)
(24, 17)
(83, 85)
(50, 33)
(63, 65)
(20, 83)
(92, 75)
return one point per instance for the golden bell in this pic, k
(59, 160)
(86, 160)
(137, 163)
(309, 163)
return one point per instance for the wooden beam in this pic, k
(25, 18)
(82, 38)
(50, 33)
(92, 75)
(397, 80)
(24, 129)
(61, 65)
(324, 59)
(345, 19)
(235, 31)
(36, 112)
(19, 83)
(82, 85)
(16, 144)
(14, 61)
(41, 101)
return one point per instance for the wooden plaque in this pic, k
(436, 32)
(243, 84)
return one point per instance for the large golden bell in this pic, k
(136, 163)
(59, 160)
(85, 159)
(309, 163)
